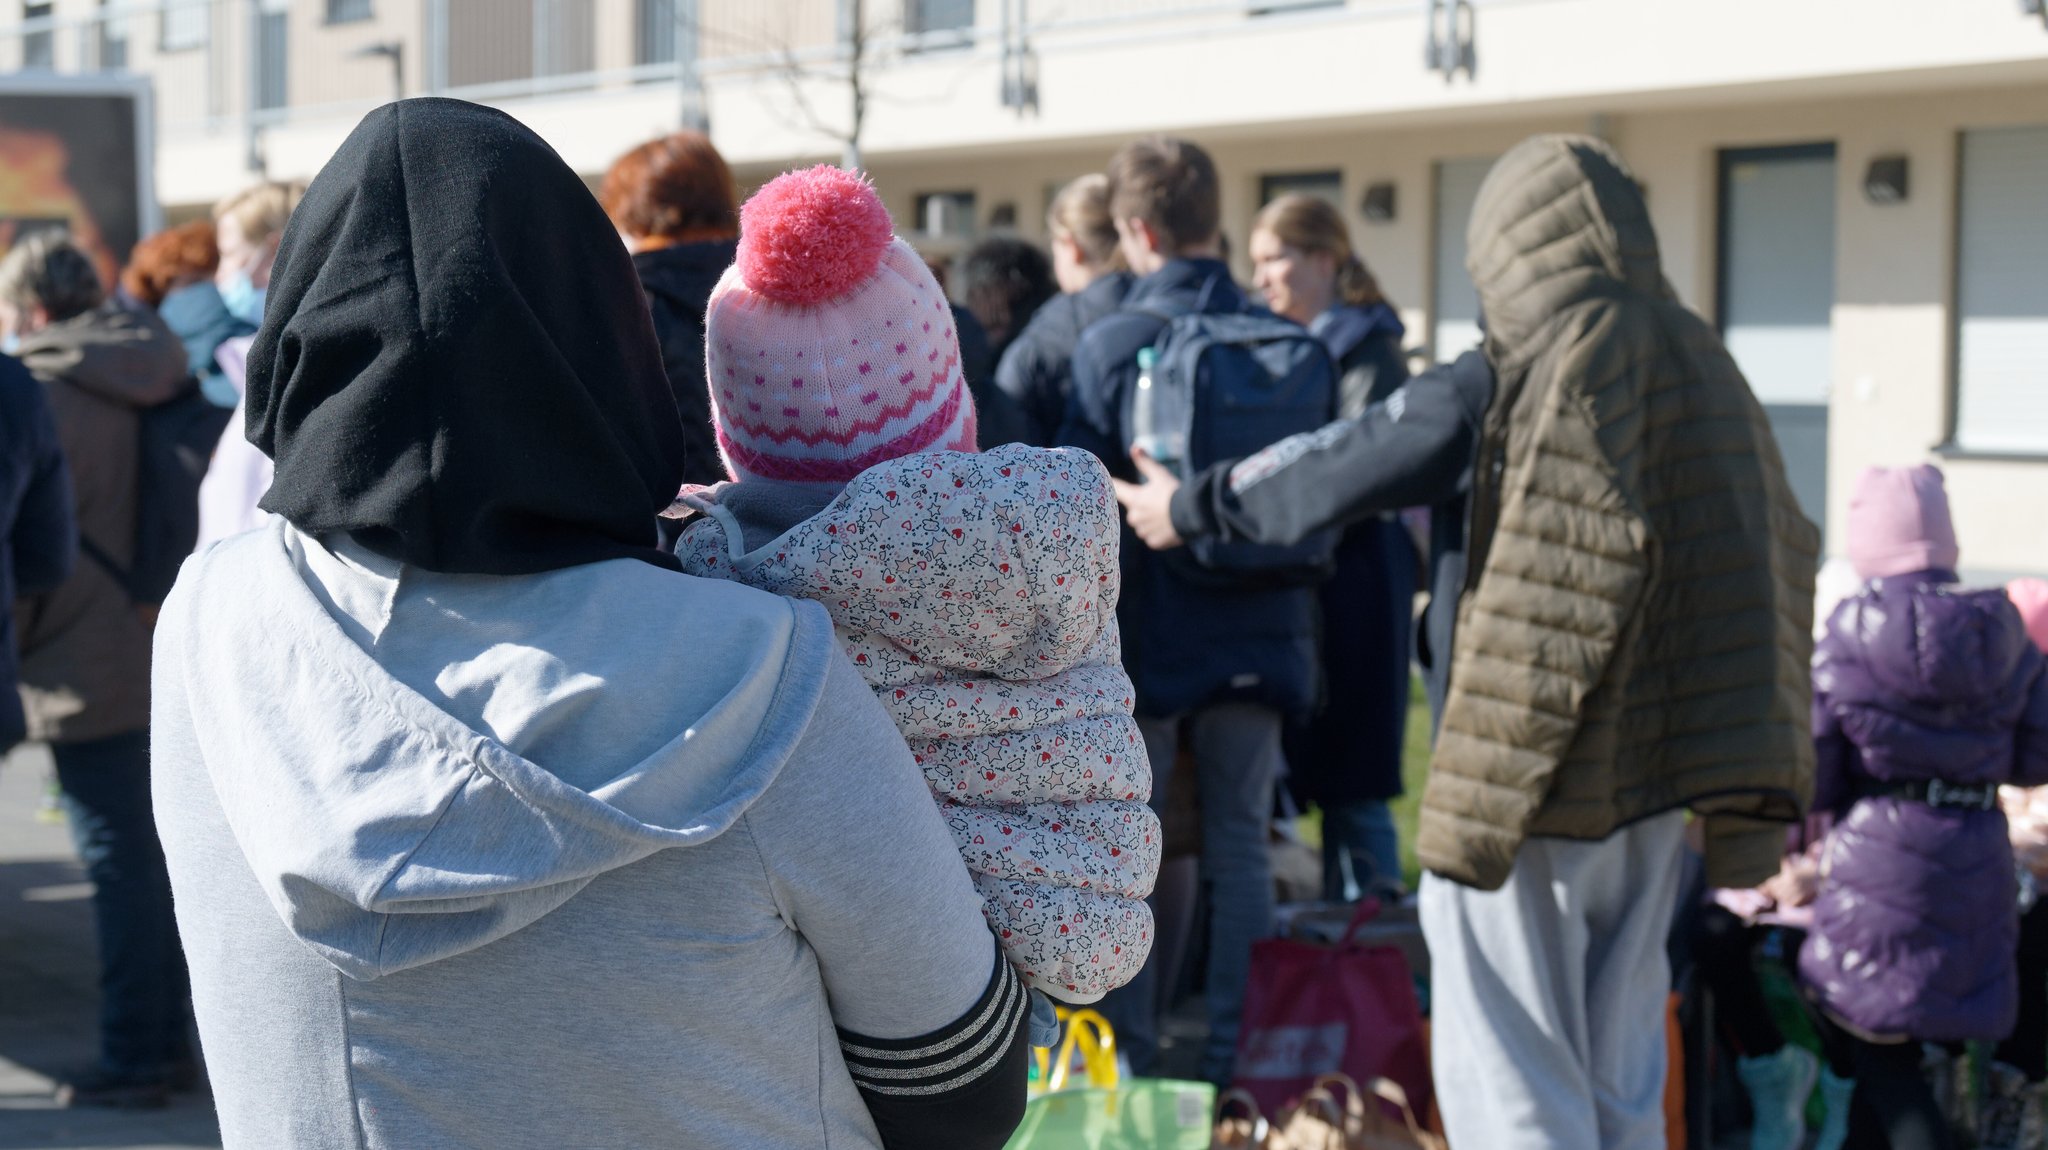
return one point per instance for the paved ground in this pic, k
(48, 999)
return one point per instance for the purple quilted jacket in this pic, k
(1914, 931)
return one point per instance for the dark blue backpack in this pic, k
(1251, 379)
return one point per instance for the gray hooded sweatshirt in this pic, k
(607, 856)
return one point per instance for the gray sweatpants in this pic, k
(1548, 995)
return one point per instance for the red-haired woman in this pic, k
(171, 273)
(672, 200)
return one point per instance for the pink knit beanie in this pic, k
(2031, 597)
(829, 347)
(1898, 522)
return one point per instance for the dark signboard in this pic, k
(75, 155)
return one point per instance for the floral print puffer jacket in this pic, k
(977, 595)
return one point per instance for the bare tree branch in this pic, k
(795, 77)
(865, 44)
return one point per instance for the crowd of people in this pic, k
(656, 670)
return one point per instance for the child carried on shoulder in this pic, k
(975, 592)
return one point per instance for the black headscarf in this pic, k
(456, 365)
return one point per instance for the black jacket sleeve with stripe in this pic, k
(961, 1087)
(1411, 450)
(1414, 449)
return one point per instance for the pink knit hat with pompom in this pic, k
(829, 347)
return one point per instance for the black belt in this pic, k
(1935, 793)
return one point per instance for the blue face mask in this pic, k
(10, 343)
(243, 299)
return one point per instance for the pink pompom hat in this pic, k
(829, 347)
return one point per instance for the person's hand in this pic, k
(1796, 884)
(1148, 504)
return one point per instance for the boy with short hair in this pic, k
(1217, 665)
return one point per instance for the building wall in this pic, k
(1340, 88)
(323, 68)
(1109, 70)
(1341, 67)
(1893, 379)
(1893, 386)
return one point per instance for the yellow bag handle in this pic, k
(1089, 1034)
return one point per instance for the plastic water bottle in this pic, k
(1159, 420)
(51, 808)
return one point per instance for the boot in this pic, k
(1948, 1079)
(2011, 1117)
(1779, 1085)
(1837, 1093)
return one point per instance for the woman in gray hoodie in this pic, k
(487, 826)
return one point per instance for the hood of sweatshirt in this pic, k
(126, 357)
(1344, 327)
(392, 827)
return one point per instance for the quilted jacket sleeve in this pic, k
(1831, 783)
(1569, 561)
(2030, 738)
(1833, 786)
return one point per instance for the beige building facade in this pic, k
(1855, 190)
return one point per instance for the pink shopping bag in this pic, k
(1311, 1010)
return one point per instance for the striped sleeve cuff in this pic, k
(947, 1059)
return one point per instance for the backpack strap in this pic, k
(94, 552)
(1163, 316)
(1203, 299)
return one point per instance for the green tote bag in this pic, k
(1109, 1114)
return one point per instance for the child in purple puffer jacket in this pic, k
(1926, 699)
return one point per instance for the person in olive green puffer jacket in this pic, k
(1638, 625)
(1632, 584)
(1636, 641)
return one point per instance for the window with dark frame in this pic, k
(113, 39)
(654, 32)
(2001, 304)
(273, 54)
(350, 11)
(186, 24)
(38, 48)
(939, 23)
(946, 215)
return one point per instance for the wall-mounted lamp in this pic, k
(393, 51)
(1378, 204)
(1884, 182)
(1453, 37)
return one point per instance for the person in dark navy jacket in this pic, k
(1219, 667)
